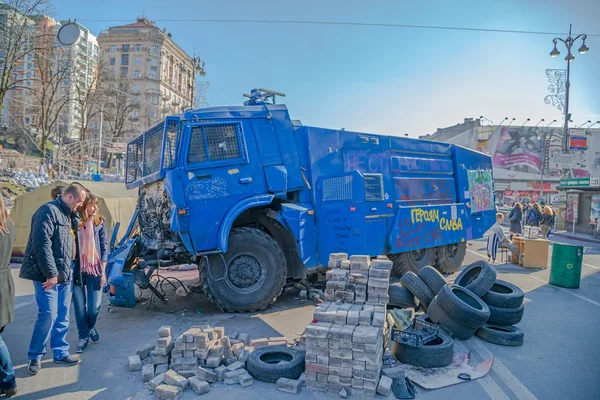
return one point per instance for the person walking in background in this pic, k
(89, 274)
(514, 217)
(8, 383)
(547, 221)
(534, 217)
(47, 262)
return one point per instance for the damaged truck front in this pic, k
(253, 197)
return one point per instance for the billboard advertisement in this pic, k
(518, 147)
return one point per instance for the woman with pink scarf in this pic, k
(89, 274)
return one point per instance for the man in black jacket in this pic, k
(47, 262)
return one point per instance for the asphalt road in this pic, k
(560, 358)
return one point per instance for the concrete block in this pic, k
(358, 346)
(201, 354)
(134, 363)
(358, 365)
(371, 366)
(245, 380)
(154, 382)
(345, 264)
(311, 358)
(382, 264)
(341, 353)
(343, 393)
(322, 360)
(162, 351)
(345, 344)
(360, 289)
(358, 279)
(179, 344)
(360, 299)
(210, 333)
(341, 315)
(317, 385)
(189, 353)
(357, 383)
(213, 362)
(164, 341)
(379, 273)
(168, 392)
(220, 331)
(368, 356)
(288, 385)
(236, 348)
(367, 334)
(334, 285)
(317, 342)
(394, 372)
(216, 351)
(334, 344)
(160, 369)
(318, 330)
(184, 360)
(245, 338)
(347, 363)
(333, 379)
(164, 331)
(319, 369)
(174, 379)
(335, 362)
(385, 299)
(230, 360)
(206, 375)
(177, 354)
(324, 378)
(243, 357)
(352, 318)
(236, 365)
(220, 371)
(378, 319)
(259, 343)
(350, 287)
(370, 386)
(232, 377)
(147, 372)
(366, 375)
(310, 376)
(344, 295)
(333, 264)
(385, 386)
(338, 257)
(187, 373)
(377, 291)
(329, 315)
(226, 344)
(340, 275)
(145, 350)
(199, 386)
(188, 336)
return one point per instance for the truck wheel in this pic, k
(252, 276)
(412, 261)
(449, 258)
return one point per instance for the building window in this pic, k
(125, 48)
(26, 119)
(113, 49)
(124, 59)
(152, 74)
(138, 48)
(137, 61)
(135, 88)
(136, 73)
(124, 72)
(154, 49)
(154, 62)
(112, 61)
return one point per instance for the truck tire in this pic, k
(271, 363)
(401, 297)
(463, 306)
(415, 260)
(439, 316)
(418, 288)
(504, 294)
(477, 277)
(432, 278)
(449, 258)
(437, 353)
(254, 271)
(502, 335)
(502, 316)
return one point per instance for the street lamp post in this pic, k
(553, 122)
(526, 121)
(511, 121)
(546, 140)
(568, 42)
(586, 122)
(597, 122)
(541, 120)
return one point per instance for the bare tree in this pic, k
(90, 95)
(120, 104)
(18, 38)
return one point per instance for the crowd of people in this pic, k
(537, 215)
(65, 258)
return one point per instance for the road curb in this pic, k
(573, 237)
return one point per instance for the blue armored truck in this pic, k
(253, 198)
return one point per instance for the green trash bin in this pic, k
(566, 265)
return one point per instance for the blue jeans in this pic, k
(7, 373)
(52, 321)
(86, 309)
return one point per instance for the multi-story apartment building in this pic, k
(160, 75)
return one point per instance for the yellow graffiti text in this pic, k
(420, 215)
(451, 224)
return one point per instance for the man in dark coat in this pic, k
(47, 262)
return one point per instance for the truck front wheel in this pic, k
(412, 261)
(250, 276)
(450, 257)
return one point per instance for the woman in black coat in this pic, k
(515, 217)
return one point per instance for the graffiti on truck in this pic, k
(341, 228)
(422, 191)
(482, 190)
(424, 227)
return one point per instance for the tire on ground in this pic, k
(439, 316)
(477, 277)
(252, 276)
(505, 316)
(425, 317)
(449, 258)
(504, 294)
(437, 353)
(432, 278)
(418, 288)
(463, 306)
(271, 363)
(502, 335)
(401, 297)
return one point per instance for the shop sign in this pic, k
(575, 182)
(578, 143)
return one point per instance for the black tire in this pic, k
(401, 297)
(463, 306)
(252, 276)
(432, 278)
(477, 277)
(437, 353)
(418, 288)
(449, 258)
(264, 364)
(504, 294)
(16, 260)
(439, 316)
(502, 335)
(425, 317)
(505, 316)
(415, 260)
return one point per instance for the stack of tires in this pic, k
(505, 302)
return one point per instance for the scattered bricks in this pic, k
(345, 264)
(232, 377)
(134, 362)
(147, 372)
(164, 341)
(333, 379)
(213, 362)
(346, 344)
(245, 380)
(243, 357)
(210, 333)
(357, 383)
(339, 275)
(278, 341)
(187, 373)
(164, 331)
(216, 351)
(177, 354)
(154, 382)
(230, 360)
(322, 360)
(334, 285)
(288, 385)
(179, 344)
(382, 264)
(168, 392)
(220, 371)
(341, 315)
(319, 369)
(220, 331)
(144, 351)
(370, 385)
(161, 369)
(206, 375)
(188, 336)
(235, 341)
(185, 361)
(394, 372)
(259, 343)
(173, 378)
(235, 365)
(162, 351)
(352, 318)
(333, 264)
(311, 358)
(190, 346)
(199, 386)
(324, 378)
(318, 330)
(378, 319)
(358, 365)
(366, 375)
(379, 273)
(201, 354)
(226, 344)
(344, 295)
(341, 353)
(385, 386)
(245, 338)
(236, 348)
(338, 257)
(188, 353)
(366, 334)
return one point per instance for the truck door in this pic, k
(218, 175)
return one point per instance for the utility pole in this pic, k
(100, 138)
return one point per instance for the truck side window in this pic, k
(170, 144)
(197, 151)
(222, 142)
